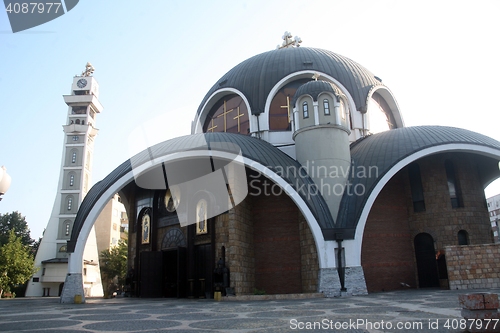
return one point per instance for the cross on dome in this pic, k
(288, 41)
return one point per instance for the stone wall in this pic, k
(473, 266)
(308, 257)
(239, 247)
(387, 255)
(269, 246)
(439, 219)
(276, 244)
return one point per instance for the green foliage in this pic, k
(257, 291)
(17, 264)
(113, 262)
(14, 221)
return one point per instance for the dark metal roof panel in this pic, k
(252, 148)
(384, 150)
(313, 88)
(256, 76)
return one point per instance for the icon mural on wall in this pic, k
(201, 217)
(146, 228)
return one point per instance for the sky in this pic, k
(155, 60)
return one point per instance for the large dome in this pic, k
(256, 77)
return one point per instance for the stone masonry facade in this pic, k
(473, 266)
(388, 255)
(269, 246)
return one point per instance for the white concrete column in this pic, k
(316, 112)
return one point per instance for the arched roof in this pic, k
(386, 149)
(314, 89)
(254, 149)
(256, 76)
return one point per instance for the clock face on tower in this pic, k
(81, 83)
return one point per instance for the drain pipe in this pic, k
(340, 265)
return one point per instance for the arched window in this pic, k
(281, 108)
(453, 186)
(87, 163)
(73, 157)
(66, 230)
(71, 180)
(463, 237)
(77, 121)
(417, 190)
(70, 203)
(230, 115)
(305, 110)
(326, 107)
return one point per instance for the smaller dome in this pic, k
(314, 89)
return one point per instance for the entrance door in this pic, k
(204, 270)
(174, 272)
(151, 275)
(426, 261)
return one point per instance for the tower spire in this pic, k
(89, 70)
(74, 183)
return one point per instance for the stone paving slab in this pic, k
(401, 311)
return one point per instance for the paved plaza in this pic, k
(401, 311)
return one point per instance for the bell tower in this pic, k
(74, 181)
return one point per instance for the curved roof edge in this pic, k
(384, 150)
(254, 149)
(256, 76)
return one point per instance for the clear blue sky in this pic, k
(157, 59)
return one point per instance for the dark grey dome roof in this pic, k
(384, 150)
(314, 88)
(255, 77)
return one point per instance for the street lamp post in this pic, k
(4, 181)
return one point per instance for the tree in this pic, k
(14, 221)
(114, 262)
(17, 264)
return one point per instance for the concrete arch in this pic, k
(354, 246)
(390, 100)
(197, 126)
(264, 125)
(74, 284)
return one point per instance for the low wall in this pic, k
(473, 266)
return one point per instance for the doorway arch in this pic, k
(425, 255)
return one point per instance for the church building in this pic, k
(299, 176)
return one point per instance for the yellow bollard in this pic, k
(78, 299)
(217, 296)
